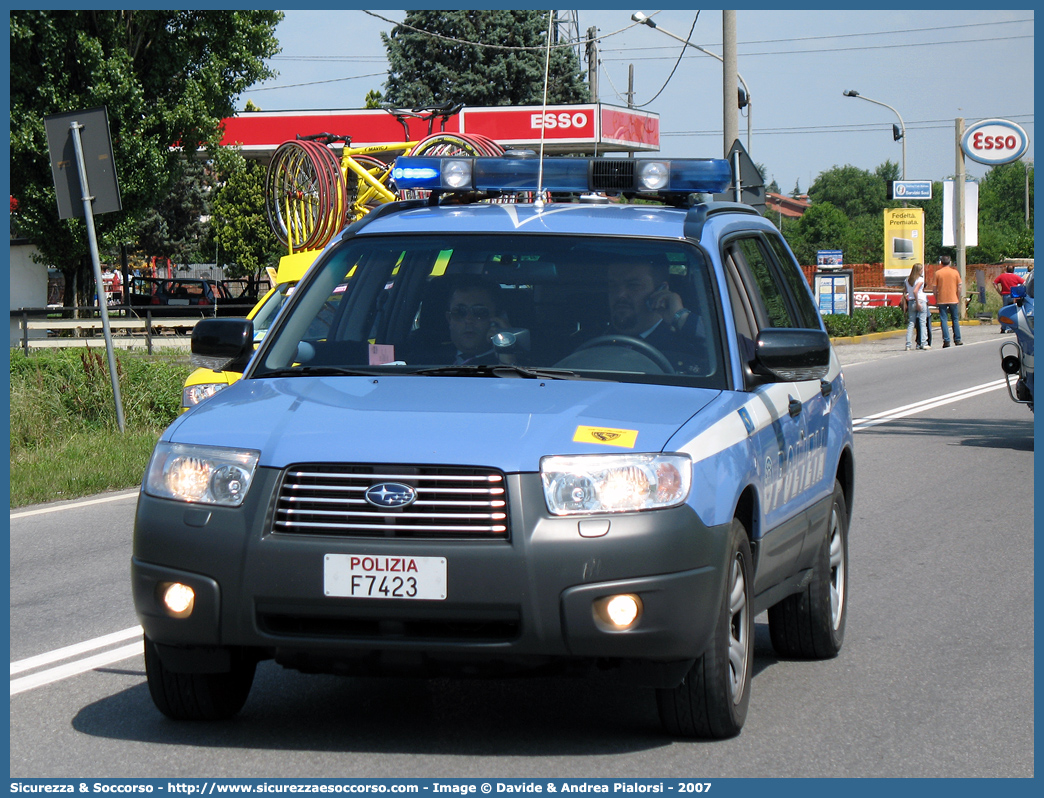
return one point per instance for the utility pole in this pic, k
(630, 94)
(730, 69)
(592, 63)
(1025, 167)
(958, 211)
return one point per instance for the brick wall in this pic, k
(870, 276)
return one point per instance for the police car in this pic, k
(486, 437)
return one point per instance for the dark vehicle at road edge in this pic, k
(184, 296)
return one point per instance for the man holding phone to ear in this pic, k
(642, 305)
(474, 316)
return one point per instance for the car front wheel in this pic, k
(198, 696)
(711, 702)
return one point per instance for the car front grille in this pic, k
(331, 499)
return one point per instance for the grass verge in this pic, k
(65, 442)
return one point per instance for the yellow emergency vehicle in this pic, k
(203, 383)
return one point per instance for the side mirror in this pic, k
(1018, 293)
(785, 355)
(222, 344)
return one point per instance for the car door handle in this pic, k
(795, 407)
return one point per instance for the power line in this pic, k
(852, 35)
(540, 47)
(817, 51)
(316, 82)
(676, 63)
(928, 124)
(378, 59)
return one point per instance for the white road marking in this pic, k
(860, 424)
(74, 668)
(75, 505)
(71, 651)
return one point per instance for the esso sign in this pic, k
(994, 141)
(564, 120)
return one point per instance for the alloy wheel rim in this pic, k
(739, 639)
(837, 570)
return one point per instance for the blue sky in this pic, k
(931, 66)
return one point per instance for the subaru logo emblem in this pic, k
(391, 494)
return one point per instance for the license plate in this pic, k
(177, 301)
(379, 577)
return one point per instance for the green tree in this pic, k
(1002, 195)
(822, 226)
(438, 57)
(1003, 232)
(373, 99)
(933, 211)
(853, 191)
(240, 224)
(175, 227)
(771, 185)
(167, 79)
(864, 239)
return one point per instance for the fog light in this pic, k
(178, 599)
(619, 612)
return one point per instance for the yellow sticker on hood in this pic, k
(610, 437)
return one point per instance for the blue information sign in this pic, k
(911, 189)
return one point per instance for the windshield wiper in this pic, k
(501, 370)
(321, 371)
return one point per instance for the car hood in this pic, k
(505, 423)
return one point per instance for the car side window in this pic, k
(750, 256)
(804, 305)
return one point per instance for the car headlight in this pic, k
(192, 395)
(617, 483)
(200, 474)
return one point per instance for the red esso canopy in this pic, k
(584, 128)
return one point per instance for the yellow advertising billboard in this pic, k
(903, 240)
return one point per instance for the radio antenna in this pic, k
(539, 202)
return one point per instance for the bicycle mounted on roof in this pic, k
(310, 194)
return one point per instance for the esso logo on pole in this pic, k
(994, 141)
(564, 120)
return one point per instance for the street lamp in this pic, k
(641, 18)
(897, 133)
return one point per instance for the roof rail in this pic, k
(699, 213)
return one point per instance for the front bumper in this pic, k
(529, 598)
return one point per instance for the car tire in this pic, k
(198, 696)
(712, 700)
(811, 624)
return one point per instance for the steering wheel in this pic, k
(632, 342)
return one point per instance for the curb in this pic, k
(881, 336)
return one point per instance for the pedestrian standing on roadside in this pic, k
(916, 306)
(1003, 283)
(948, 288)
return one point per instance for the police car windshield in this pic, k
(600, 307)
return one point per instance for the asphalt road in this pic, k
(935, 679)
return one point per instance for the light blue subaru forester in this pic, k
(584, 434)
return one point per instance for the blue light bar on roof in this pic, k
(610, 175)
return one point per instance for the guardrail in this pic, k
(128, 332)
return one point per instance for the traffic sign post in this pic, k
(748, 186)
(65, 139)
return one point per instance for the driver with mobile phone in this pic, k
(474, 316)
(642, 305)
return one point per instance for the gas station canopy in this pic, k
(592, 128)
